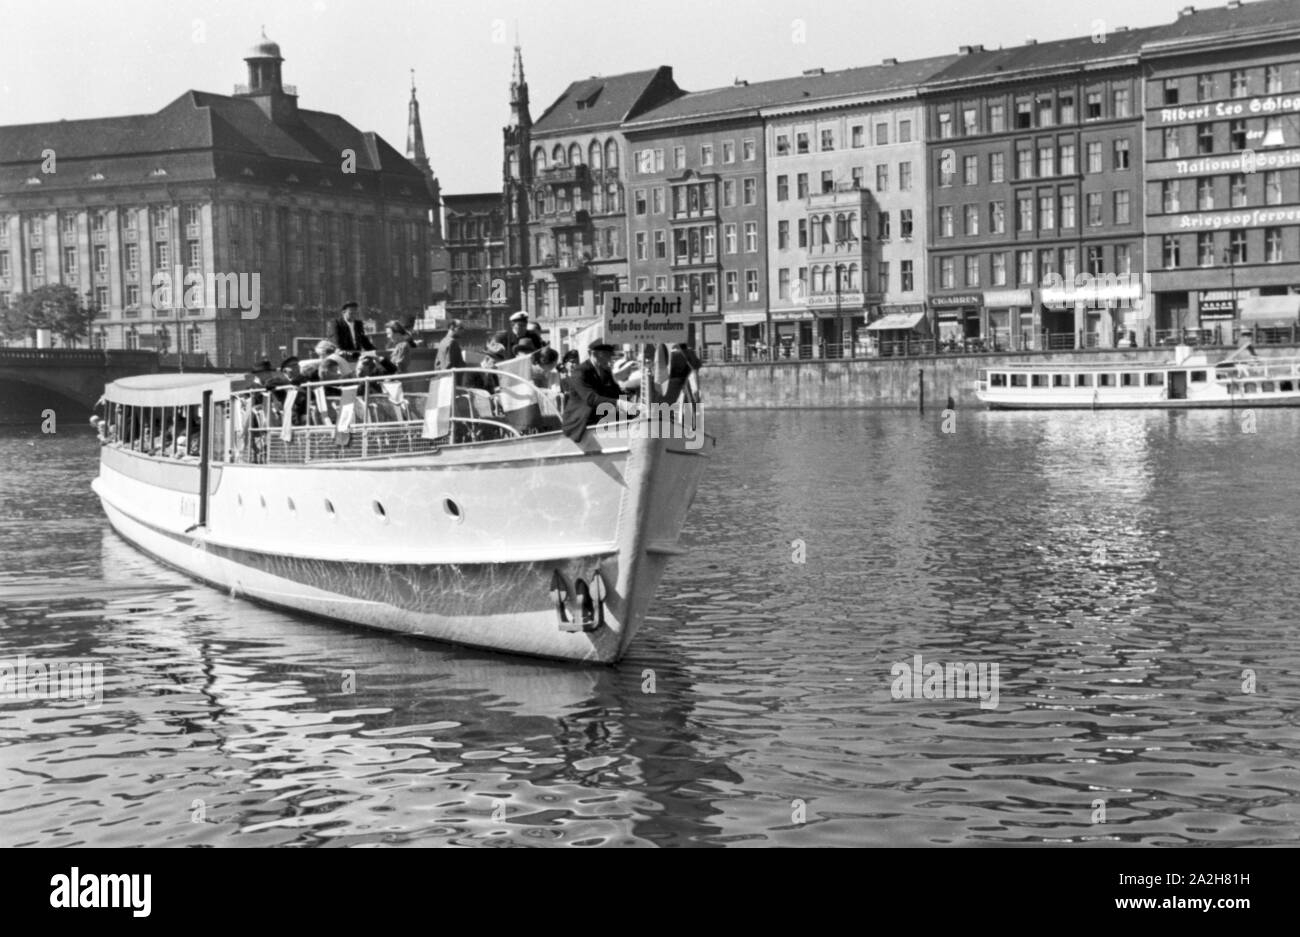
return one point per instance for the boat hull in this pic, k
(388, 553)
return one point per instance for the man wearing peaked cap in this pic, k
(591, 384)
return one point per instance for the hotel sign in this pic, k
(829, 299)
(1274, 104)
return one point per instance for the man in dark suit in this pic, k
(589, 386)
(350, 335)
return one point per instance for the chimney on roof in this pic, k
(1031, 41)
(812, 72)
(1186, 11)
(1120, 29)
(967, 50)
(889, 62)
(741, 83)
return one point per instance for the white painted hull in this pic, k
(387, 553)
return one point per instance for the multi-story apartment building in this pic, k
(847, 195)
(249, 185)
(577, 225)
(696, 211)
(1035, 168)
(1223, 168)
(476, 260)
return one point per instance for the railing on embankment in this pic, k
(898, 382)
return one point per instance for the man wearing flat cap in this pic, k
(590, 385)
(349, 334)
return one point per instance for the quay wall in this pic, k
(895, 382)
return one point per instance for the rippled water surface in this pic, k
(1133, 576)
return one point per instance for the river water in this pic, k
(1132, 575)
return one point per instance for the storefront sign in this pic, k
(1259, 217)
(1094, 292)
(1226, 110)
(830, 299)
(1006, 298)
(1222, 301)
(1246, 161)
(960, 299)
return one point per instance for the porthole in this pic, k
(452, 510)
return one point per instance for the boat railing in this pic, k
(1257, 369)
(385, 415)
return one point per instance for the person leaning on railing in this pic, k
(590, 386)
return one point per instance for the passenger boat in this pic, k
(1189, 380)
(408, 505)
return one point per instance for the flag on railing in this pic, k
(290, 398)
(437, 408)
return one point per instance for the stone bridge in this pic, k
(66, 380)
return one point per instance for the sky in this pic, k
(70, 59)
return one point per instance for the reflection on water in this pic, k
(1123, 569)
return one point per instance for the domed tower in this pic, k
(265, 87)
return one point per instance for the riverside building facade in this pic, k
(476, 290)
(1035, 177)
(696, 212)
(212, 186)
(1223, 170)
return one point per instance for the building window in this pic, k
(947, 272)
(751, 191)
(729, 151)
(1123, 259)
(945, 221)
(1024, 115)
(803, 232)
(1237, 134)
(4, 264)
(657, 200)
(1273, 245)
(1205, 249)
(782, 144)
(69, 260)
(882, 225)
(997, 167)
(1094, 157)
(661, 245)
(1120, 100)
(1024, 268)
(1068, 166)
(801, 185)
(1237, 190)
(751, 285)
(904, 222)
(749, 151)
(1172, 149)
(1046, 161)
(973, 270)
(1046, 264)
(1046, 112)
(998, 217)
(1068, 221)
(1024, 162)
(1122, 215)
(1170, 251)
(1272, 79)
(905, 176)
(751, 237)
(1122, 155)
(638, 201)
(1204, 87)
(643, 283)
(969, 122)
(1273, 187)
(1204, 138)
(1240, 87)
(1024, 213)
(882, 134)
(782, 188)
(997, 118)
(1094, 209)
(1093, 111)
(728, 192)
(641, 242)
(729, 238)
(971, 220)
(706, 154)
(782, 235)
(1204, 194)
(945, 126)
(947, 171)
(855, 137)
(733, 291)
(970, 170)
(1237, 244)
(1047, 212)
(783, 283)
(101, 259)
(195, 256)
(801, 142)
(828, 181)
(1171, 91)
(162, 255)
(1169, 195)
(882, 177)
(828, 140)
(998, 262)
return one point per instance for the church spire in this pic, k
(519, 116)
(414, 133)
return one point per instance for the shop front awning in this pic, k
(897, 321)
(1266, 312)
